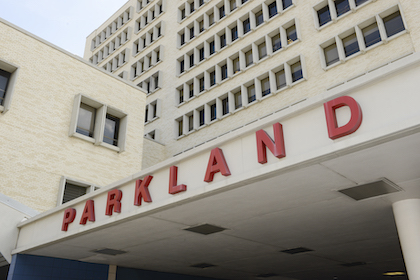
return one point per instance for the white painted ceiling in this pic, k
(299, 208)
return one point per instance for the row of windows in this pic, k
(329, 10)
(272, 42)
(146, 63)
(98, 123)
(189, 7)
(236, 29)
(113, 45)
(112, 28)
(279, 78)
(152, 83)
(141, 4)
(153, 111)
(148, 38)
(362, 37)
(147, 17)
(117, 61)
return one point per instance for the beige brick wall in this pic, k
(318, 80)
(37, 150)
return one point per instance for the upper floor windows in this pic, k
(330, 10)
(152, 35)
(113, 45)
(146, 18)
(362, 37)
(98, 123)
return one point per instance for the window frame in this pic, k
(13, 70)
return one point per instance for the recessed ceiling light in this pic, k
(107, 251)
(394, 273)
(353, 264)
(380, 187)
(205, 229)
(203, 265)
(297, 250)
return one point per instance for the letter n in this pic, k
(334, 131)
(217, 163)
(264, 141)
(69, 215)
(113, 202)
(142, 191)
(173, 181)
(88, 212)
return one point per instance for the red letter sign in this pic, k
(113, 202)
(142, 191)
(334, 131)
(217, 163)
(88, 212)
(276, 147)
(68, 218)
(173, 181)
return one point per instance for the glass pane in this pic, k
(224, 72)
(201, 114)
(251, 94)
(212, 112)
(234, 33)
(259, 18)
(236, 65)
(291, 34)
(342, 6)
(111, 130)
(248, 57)
(351, 46)
(276, 42)
(247, 26)
(238, 100)
(324, 15)
(180, 127)
(331, 54)
(265, 87)
(296, 71)
(393, 24)
(287, 3)
(72, 192)
(222, 41)
(371, 34)
(190, 122)
(281, 79)
(212, 78)
(4, 80)
(360, 2)
(262, 50)
(272, 9)
(225, 106)
(86, 120)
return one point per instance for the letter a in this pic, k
(88, 212)
(173, 181)
(334, 131)
(264, 141)
(142, 191)
(217, 163)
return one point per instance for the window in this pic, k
(180, 127)
(182, 39)
(7, 79)
(262, 50)
(280, 79)
(331, 54)
(182, 13)
(393, 24)
(291, 34)
(213, 113)
(236, 65)
(247, 26)
(112, 125)
(201, 25)
(224, 71)
(211, 19)
(201, 117)
(324, 15)
(350, 44)
(265, 87)
(181, 94)
(360, 2)
(222, 40)
(225, 106)
(201, 3)
(276, 41)
(296, 70)
(342, 7)
(191, 122)
(286, 4)
(222, 12)
(70, 189)
(191, 32)
(181, 66)
(371, 35)
(212, 49)
(192, 8)
(212, 78)
(272, 9)
(248, 58)
(238, 99)
(89, 116)
(191, 89)
(192, 60)
(86, 120)
(251, 94)
(201, 53)
(201, 84)
(259, 18)
(234, 32)
(232, 5)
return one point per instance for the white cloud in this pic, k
(65, 23)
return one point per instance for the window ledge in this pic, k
(111, 147)
(83, 137)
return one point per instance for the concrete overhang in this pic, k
(266, 209)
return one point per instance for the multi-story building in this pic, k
(287, 132)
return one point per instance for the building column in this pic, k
(407, 219)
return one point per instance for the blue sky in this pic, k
(65, 23)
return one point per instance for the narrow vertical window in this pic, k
(291, 34)
(112, 125)
(222, 40)
(236, 65)
(276, 42)
(201, 53)
(86, 120)
(225, 106)
(213, 112)
(181, 95)
(191, 89)
(238, 100)
(248, 58)
(191, 32)
(234, 32)
(180, 127)
(201, 117)
(247, 26)
(201, 84)
(190, 122)
(192, 60)
(265, 87)
(232, 5)
(262, 50)
(281, 79)
(4, 81)
(212, 78)
(222, 12)
(192, 8)
(272, 9)
(211, 18)
(251, 94)
(223, 69)
(212, 47)
(259, 18)
(324, 15)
